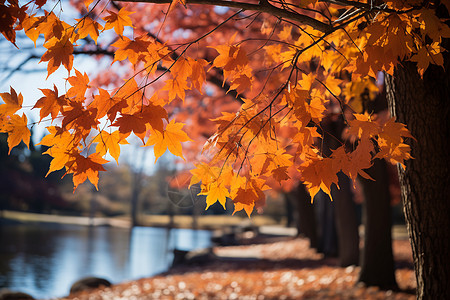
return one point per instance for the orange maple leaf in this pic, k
(130, 49)
(87, 26)
(118, 20)
(79, 83)
(60, 51)
(51, 103)
(317, 174)
(84, 168)
(241, 83)
(18, 131)
(29, 25)
(51, 26)
(63, 146)
(176, 87)
(79, 118)
(245, 199)
(13, 102)
(109, 142)
(107, 105)
(131, 123)
(171, 138)
(363, 127)
(198, 75)
(426, 55)
(230, 57)
(280, 174)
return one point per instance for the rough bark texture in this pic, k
(377, 260)
(423, 105)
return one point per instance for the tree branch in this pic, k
(262, 6)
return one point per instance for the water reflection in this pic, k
(44, 260)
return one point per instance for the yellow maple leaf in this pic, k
(171, 138)
(217, 192)
(109, 142)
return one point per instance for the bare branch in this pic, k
(262, 6)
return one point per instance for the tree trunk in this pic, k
(346, 222)
(423, 105)
(305, 218)
(134, 201)
(377, 260)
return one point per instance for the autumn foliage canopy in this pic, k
(266, 73)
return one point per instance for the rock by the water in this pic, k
(89, 283)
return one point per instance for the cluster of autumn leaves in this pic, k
(271, 137)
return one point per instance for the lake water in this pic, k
(44, 260)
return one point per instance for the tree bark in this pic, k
(377, 260)
(423, 105)
(305, 218)
(346, 222)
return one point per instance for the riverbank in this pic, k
(207, 222)
(282, 268)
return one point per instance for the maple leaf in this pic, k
(18, 131)
(13, 102)
(8, 17)
(216, 192)
(59, 51)
(198, 75)
(87, 26)
(280, 174)
(392, 132)
(230, 57)
(248, 208)
(106, 104)
(363, 127)
(241, 83)
(29, 26)
(131, 123)
(361, 159)
(51, 26)
(332, 86)
(118, 20)
(181, 69)
(176, 87)
(395, 153)
(109, 142)
(84, 168)
(132, 95)
(130, 49)
(79, 83)
(51, 103)
(318, 175)
(426, 55)
(79, 118)
(171, 138)
(203, 172)
(62, 147)
(316, 109)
